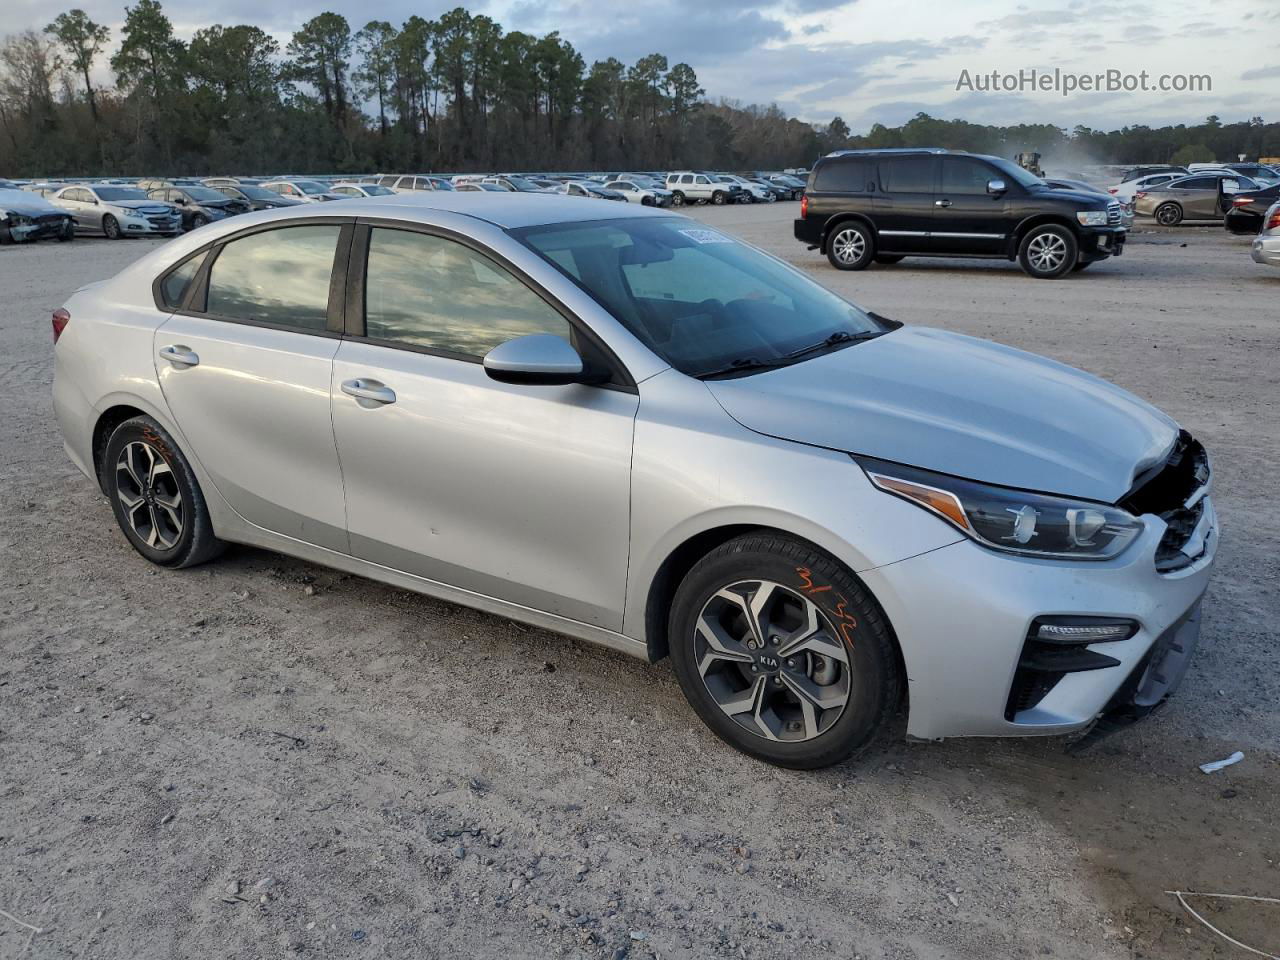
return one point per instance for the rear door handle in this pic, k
(371, 390)
(180, 356)
(942, 203)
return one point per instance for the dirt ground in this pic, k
(260, 758)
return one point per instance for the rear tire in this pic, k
(155, 496)
(824, 681)
(1168, 214)
(850, 246)
(1048, 251)
(111, 227)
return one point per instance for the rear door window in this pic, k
(278, 277)
(845, 176)
(907, 174)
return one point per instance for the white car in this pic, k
(1266, 245)
(361, 190)
(1125, 191)
(308, 191)
(639, 191)
(757, 192)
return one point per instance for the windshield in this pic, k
(203, 193)
(520, 183)
(373, 190)
(111, 194)
(309, 186)
(698, 298)
(1014, 172)
(254, 193)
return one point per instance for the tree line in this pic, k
(457, 93)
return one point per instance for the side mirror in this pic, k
(996, 186)
(539, 358)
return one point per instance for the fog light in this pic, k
(1078, 630)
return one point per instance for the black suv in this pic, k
(864, 206)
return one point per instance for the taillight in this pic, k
(1273, 221)
(60, 320)
(1242, 201)
(804, 205)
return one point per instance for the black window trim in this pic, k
(195, 301)
(357, 265)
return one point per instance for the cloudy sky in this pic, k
(867, 60)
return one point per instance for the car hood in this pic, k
(27, 204)
(955, 404)
(1077, 196)
(148, 206)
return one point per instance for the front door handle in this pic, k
(373, 391)
(942, 203)
(180, 356)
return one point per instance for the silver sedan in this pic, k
(620, 424)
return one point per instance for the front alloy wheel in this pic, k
(770, 660)
(782, 652)
(1048, 251)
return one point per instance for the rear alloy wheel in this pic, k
(1168, 214)
(110, 227)
(1048, 251)
(155, 496)
(850, 247)
(782, 652)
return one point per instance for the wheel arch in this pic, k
(1038, 220)
(114, 411)
(830, 226)
(677, 564)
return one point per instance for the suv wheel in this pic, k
(850, 247)
(1048, 251)
(783, 653)
(719, 198)
(1168, 214)
(155, 496)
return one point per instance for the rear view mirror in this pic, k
(539, 358)
(996, 186)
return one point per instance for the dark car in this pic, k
(1249, 209)
(255, 196)
(865, 206)
(1133, 173)
(199, 204)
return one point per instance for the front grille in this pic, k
(1174, 491)
(1113, 213)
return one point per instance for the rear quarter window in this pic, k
(844, 176)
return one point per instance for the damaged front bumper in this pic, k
(26, 229)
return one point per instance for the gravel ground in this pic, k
(261, 758)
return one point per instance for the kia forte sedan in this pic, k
(616, 423)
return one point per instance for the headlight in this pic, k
(19, 220)
(1092, 218)
(1011, 520)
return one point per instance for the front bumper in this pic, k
(962, 614)
(1098, 243)
(167, 227)
(1266, 250)
(46, 228)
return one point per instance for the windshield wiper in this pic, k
(840, 336)
(742, 365)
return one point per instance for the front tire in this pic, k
(1168, 214)
(850, 247)
(719, 198)
(68, 232)
(111, 227)
(198, 221)
(155, 496)
(677, 199)
(1048, 251)
(783, 653)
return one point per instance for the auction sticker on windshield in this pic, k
(706, 236)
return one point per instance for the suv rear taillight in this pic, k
(1273, 221)
(804, 205)
(60, 320)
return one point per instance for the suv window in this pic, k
(907, 174)
(426, 291)
(387, 181)
(851, 175)
(963, 176)
(279, 277)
